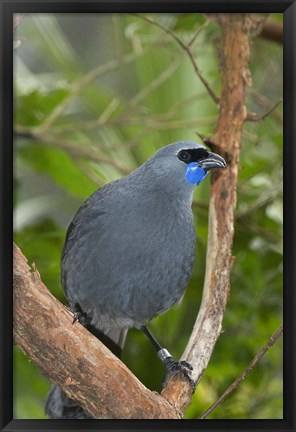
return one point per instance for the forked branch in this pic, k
(236, 29)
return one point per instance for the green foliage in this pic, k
(188, 22)
(55, 163)
(86, 114)
(34, 107)
(48, 237)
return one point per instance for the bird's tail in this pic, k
(58, 404)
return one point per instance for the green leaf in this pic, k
(33, 108)
(59, 166)
(188, 21)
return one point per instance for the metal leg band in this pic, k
(163, 354)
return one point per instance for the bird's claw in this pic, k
(79, 315)
(175, 367)
(185, 364)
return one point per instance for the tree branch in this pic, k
(187, 49)
(266, 104)
(86, 79)
(272, 340)
(236, 29)
(73, 358)
(72, 148)
(272, 31)
(253, 117)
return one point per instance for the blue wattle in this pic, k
(195, 173)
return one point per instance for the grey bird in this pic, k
(129, 253)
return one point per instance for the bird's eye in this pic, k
(184, 156)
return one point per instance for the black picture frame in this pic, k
(8, 8)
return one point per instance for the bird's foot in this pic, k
(175, 367)
(79, 315)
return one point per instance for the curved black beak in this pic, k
(212, 160)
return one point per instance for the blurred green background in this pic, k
(95, 95)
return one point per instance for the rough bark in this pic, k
(235, 53)
(71, 357)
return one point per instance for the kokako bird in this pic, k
(129, 253)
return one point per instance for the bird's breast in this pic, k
(129, 264)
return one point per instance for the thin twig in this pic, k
(106, 114)
(85, 80)
(175, 109)
(266, 103)
(198, 31)
(200, 204)
(142, 120)
(154, 123)
(261, 232)
(187, 49)
(92, 124)
(73, 149)
(262, 201)
(155, 83)
(253, 117)
(179, 124)
(132, 105)
(251, 366)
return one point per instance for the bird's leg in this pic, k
(171, 365)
